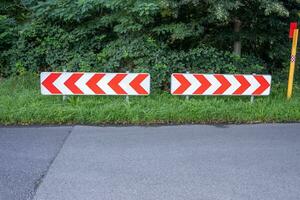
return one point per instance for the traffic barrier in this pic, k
(220, 84)
(81, 83)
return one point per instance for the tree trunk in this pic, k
(237, 46)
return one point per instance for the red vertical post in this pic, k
(293, 26)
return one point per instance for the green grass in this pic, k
(21, 103)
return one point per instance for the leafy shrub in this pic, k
(159, 37)
(145, 55)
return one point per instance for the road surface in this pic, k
(170, 162)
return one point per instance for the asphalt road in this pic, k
(25, 155)
(172, 162)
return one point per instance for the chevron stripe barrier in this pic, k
(77, 83)
(220, 84)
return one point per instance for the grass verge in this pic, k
(22, 104)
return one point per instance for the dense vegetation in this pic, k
(156, 36)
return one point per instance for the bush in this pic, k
(57, 50)
(159, 37)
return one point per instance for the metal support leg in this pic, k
(64, 96)
(187, 97)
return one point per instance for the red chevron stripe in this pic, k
(114, 83)
(205, 84)
(263, 84)
(184, 84)
(225, 84)
(70, 83)
(48, 83)
(92, 83)
(244, 84)
(136, 83)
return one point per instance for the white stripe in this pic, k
(124, 84)
(174, 84)
(215, 84)
(146, 83)
(195, 84)
(44, 90)
(234, 85)
(267, 91)
(253, 85)
(103, 83)
(81, 83)
(59, 83)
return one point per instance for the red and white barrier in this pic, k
(219, 84)
(80, 83)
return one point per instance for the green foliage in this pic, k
(7, 37)
(155, 36)
(145, 55)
